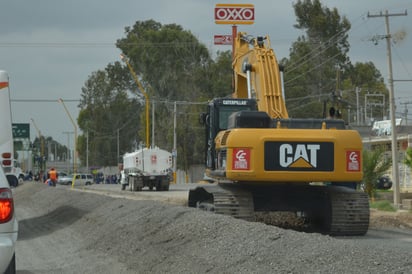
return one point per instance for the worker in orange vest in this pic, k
(52, 174)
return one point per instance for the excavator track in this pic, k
(223, 200)
(332, 210)
(349, 212)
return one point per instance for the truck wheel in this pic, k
(159, 186)
(134, 186)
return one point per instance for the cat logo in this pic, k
(296, 156)
(304, 155)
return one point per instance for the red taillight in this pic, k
(6, 155)
(6, 205)
(6, 159)
(6, 163)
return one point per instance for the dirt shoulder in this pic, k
(383, 219)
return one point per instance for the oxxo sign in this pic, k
(234, 14)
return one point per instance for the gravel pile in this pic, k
(153, 237)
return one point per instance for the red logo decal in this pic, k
(241, 159)
(353, 159)
(154, 159)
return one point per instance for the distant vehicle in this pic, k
(65, 179)
(60, 173)
(8, 162)
(83, 179)
(383, 182)
(147, 167)
(8, 227)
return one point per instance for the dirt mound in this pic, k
(96, 233)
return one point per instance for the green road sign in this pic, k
(21, 131)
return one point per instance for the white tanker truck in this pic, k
(147, 167)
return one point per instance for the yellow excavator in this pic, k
(263, 161)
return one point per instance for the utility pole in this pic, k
(395, 174)
(357, 90)
(75, 135)
(174, 153)
(41, 141)
(69, 150)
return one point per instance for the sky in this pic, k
(50, 48)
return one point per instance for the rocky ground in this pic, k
(66, 231)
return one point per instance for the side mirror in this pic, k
(202, 118)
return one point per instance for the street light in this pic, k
(123, 57)
(75, 135)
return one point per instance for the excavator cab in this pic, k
(216, 119)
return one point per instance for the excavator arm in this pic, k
(257, 75)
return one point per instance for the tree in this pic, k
(408, 158)
(109, 116)
(318, 72)
(315, 57)
(173, 66)
(375, 164)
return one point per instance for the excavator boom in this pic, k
(257, 75)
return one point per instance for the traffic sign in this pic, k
(234, 14)
(223, 40)
(21, 130)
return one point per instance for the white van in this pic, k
(81, 179)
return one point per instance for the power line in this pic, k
(42, 100)
(92, 44)
(78, 100)
(320, 49)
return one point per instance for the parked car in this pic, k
(61, 174)
(81, 179)
(384, 182)
(8, 227)
(65, 180)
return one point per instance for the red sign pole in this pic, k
(234, 14)
(234, 34)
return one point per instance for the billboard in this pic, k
(234, 14)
